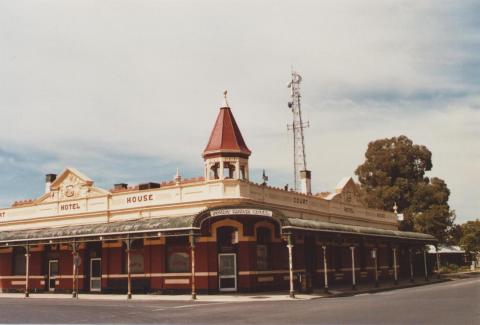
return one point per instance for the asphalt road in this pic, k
(455, 302)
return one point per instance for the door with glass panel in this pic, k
(52, 274)
(227, 272)
(95, 274)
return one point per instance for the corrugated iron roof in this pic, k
(296, 223)
(139, 226)
(445, 249)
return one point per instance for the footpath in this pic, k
(335, 291)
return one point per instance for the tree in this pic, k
(391, 171)
(454, 235)
(394, 173)
(429, 211)
(470, 238)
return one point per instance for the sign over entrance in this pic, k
(229, 212)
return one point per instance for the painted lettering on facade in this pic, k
(227, 212)
(139, 198)
(69, 206)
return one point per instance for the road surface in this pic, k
(454, 302)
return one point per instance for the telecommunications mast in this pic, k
(302, 176)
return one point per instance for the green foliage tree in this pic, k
(470, 236)
(429, 210)
(394, 172)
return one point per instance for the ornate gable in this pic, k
(347, 192)
(71, 184)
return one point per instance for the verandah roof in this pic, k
(322, 226)
(184, 225)
(139, 226)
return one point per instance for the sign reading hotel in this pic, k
(71, 207)
(230, 212)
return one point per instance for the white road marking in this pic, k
(191, 306)
(363, 294)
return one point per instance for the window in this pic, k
(178, 258)
(136, 257)
(214, 171)
(178, 262)
(263, 248)
(226, 238)
(19, 263)
(228, 170)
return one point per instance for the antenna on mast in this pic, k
(302, 176)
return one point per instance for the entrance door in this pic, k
(227, 272)
(52, 274)
(95, 274)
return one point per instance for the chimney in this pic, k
(148, 186)
(120, 186)
(306, 181)
(49, 179)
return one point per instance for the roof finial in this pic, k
(225, 102)
(177, 178)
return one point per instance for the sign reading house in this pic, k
(230, 212)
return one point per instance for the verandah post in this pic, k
(192, 246)
(129, 273)
(27, 269)
(376, 266)
(438, 260)
(395, 275)
(352, 248)
(325, 268)
(75, 259)
(425, 263)
(290, 264)
(412, 278)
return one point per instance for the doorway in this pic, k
(52, 274)
(227, 272)
(96, 274)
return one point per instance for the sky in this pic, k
(128, 91)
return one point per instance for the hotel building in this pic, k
(220, 232)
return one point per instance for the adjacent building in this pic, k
(220, 232)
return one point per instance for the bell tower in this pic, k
(226, 154)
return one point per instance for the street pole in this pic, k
(376, 268)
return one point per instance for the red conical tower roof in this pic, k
(226, 136)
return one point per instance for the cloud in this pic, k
(129, 90)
